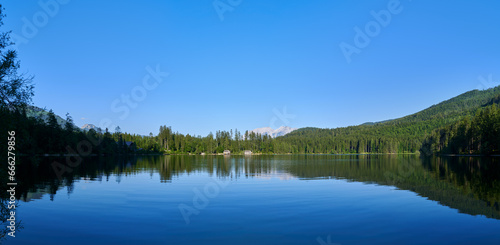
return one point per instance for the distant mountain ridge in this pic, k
(43, 114)
(88, 126)
(281, 131)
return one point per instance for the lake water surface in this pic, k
(285, 199)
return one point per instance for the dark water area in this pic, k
(282, 199)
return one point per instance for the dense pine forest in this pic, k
(402, 135)
(35, 136)
(466, 124)
(478, 134)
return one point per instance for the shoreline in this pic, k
(242, 154)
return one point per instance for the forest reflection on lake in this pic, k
(468, 184)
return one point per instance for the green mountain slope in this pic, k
(400, 135)
(477, 134)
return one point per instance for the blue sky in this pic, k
(250, 64)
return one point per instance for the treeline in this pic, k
(234, 141)
(309, 140)
(355, 139)
(36, 136)
(455, 126)
(475, 133)
(479, 134)
(402, 135)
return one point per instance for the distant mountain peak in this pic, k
(283, 130)
(88, 127)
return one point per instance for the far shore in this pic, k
(242, 154)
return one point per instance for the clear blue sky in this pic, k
(263, 56)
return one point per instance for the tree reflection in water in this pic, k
(469, 184)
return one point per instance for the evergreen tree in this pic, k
(15, 90)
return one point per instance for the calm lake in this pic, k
(287, 199)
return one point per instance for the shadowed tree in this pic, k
(15, 89)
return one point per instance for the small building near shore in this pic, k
(227, 152)
(203, 153)
(247, 152)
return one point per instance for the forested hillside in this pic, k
(402, 135)
(478, 134)
(467, 123)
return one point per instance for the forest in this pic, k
(466, 124)
(403, 135)
(478, 134)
